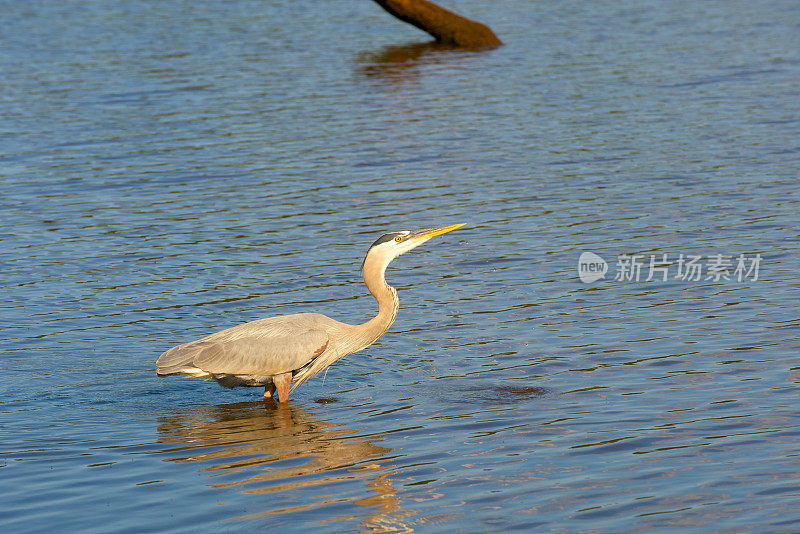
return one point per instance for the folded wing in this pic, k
(264, 347)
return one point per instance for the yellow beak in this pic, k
(424, 235)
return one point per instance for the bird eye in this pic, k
(398, 238)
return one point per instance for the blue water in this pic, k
(172, 169)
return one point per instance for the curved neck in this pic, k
(353, 338)
(388, 303)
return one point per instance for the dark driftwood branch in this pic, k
(445, 26)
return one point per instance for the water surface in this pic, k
(173, 169)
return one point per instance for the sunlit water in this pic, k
(170, 169)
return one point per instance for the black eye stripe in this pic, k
(386, 237)
(383, 239)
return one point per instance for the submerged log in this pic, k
(445, 26)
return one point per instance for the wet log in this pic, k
(445, 26)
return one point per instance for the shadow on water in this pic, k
(275, 448)
(501, 395)
(519, 392)
(491, 395)
(402, 63)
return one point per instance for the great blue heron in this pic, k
(279, 351)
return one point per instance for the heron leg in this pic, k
(269, 391)
(282, 383)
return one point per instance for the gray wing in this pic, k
(263, 347)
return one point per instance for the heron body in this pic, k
(282, 352)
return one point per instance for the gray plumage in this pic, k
(288, 350)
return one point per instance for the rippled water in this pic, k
(170, 169)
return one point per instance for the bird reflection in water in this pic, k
(263, 444)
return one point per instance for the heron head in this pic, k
(388, 246)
